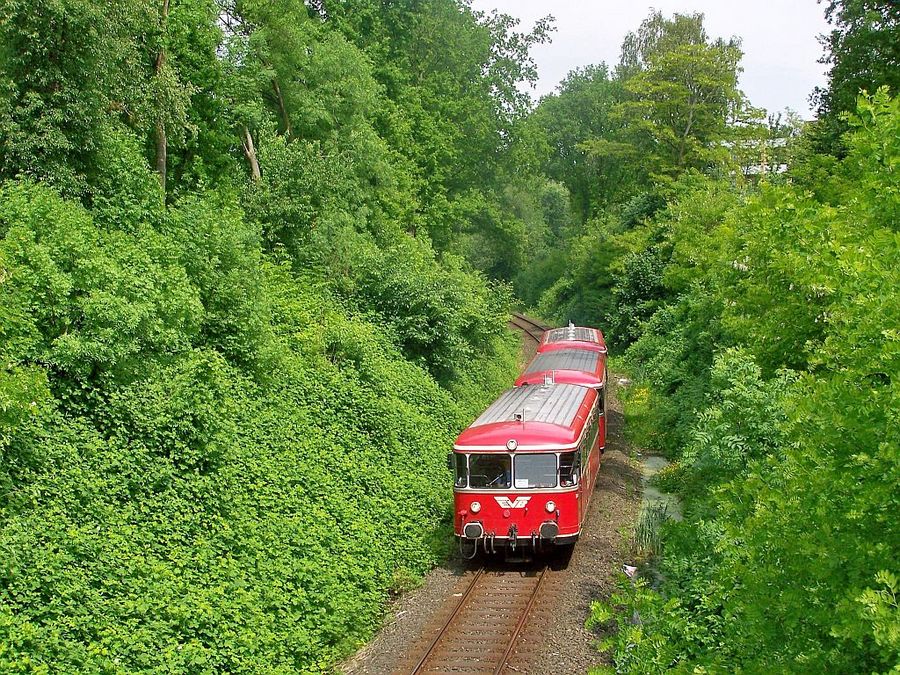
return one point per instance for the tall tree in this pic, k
(864, 54)
(159, 70)
(683, 105)
(452, 107)
(66, 70)
(578, 111)
(657, 35)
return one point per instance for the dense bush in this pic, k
(783, 418)
(204, 458)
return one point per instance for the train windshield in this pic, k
(461, 471)
(536, 471)
(569, 468)
(490, 471)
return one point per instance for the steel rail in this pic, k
(531, 328)
(521, 624)
(434, 647)
(443, 630)
(529, 320)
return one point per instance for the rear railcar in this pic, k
(572, 337)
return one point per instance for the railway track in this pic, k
(484, 630)
(529, 326)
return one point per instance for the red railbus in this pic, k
(572, 337)
(525, 469)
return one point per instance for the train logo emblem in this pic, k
(519, 503)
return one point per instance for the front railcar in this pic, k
(520, 469)
(516, 512)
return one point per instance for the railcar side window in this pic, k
(569, 468)
(536, 471)
(462, 473)
(490, 471)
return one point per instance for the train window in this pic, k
(489, 471)
(569, 468)
(461, 471)
(601, 407)
(536, 471)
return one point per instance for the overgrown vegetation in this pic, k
(785, 430)
(232, 359)
(256, 259)
(756, 310)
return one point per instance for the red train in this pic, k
(572, 337)
(525, 469)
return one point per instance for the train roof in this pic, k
(571, 337)
(566, 366)
(544, 417)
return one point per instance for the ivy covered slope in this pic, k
(234, 350)
(208, 463)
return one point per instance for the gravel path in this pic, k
(558, 626)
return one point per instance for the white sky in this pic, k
(781, 49)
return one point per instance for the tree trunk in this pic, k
(161, 152)
(682, 147)
(285, 119)
(161, 141)
(250, 153)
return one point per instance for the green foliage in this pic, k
(221, 254)
(786, 558)
(863, 53)
(659, 35)
(742, 421)
(635, 649)
(225, 406)
(678, 105)
(581, 110)
(442, 317)
(880, 609)
(647, 535)
(679, 109)
(101, 303)
(55, 92)
(452, 109)
(625, 143)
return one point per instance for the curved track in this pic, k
(533, 329)
(480, 634)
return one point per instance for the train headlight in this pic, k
(475, 507)
(550, 506)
